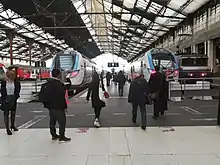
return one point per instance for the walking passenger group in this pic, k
(52, 95)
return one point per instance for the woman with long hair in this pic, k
(10, 90)
(97, 104)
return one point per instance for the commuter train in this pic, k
(78, 69)
(193, 66)
(25, 72)
(155, 57)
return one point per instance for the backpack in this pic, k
(43, 93)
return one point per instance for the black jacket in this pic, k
(4, 93)
(138, 90)
(121, 79)
(55, 94)
(155, 82)
(93, 91)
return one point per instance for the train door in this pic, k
(83, 67)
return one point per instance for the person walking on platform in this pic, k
(10, 90)
(97, 103)
(157, 88)
(137, 96)
(108, 78)
(121, 82)
(53, 97)
(115, 78)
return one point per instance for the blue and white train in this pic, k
(78, 68)
(155, 57)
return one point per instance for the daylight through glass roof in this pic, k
(125, 27)
(25, 30)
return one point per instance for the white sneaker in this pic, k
(96, 123)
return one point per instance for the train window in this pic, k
(67, 62)
(195, 61)
(32, 71)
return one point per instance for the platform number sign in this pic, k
(113, 64)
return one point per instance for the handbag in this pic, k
(103, 95)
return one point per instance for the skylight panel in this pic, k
(81, 9)
(160, 33)
(20, 21)
(107, 5)
(129, 3)
(116, 9)
(126, 17)
(30, 35)
(89, 25)
(77, 4)
(140, 31)
(8, 24)
(172, 24)
(169, 12)
(136, 18)
(176, 4)
(145, 21)
(161, 20)
(116, 21)
(142, 4)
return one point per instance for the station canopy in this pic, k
(128, 27)
(125, 28)
(24, 31)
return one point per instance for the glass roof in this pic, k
(25, 30)
(132, 24)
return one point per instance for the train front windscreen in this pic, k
(64, 62)
(195, 61)
(167, 62)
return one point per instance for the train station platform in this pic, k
(187, 134)
(114, 146)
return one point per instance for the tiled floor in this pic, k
(114, 146)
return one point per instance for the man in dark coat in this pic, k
(56, 103)
(137, 96)
(108, 78)
(121, 82)
(157, 86)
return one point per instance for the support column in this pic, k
(11, 35)
(30, 44)
(194, 49)
(42, 48)
(205, 48)
(184, 50)
(211, 55)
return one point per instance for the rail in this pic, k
(194, 87)
(203, 87)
